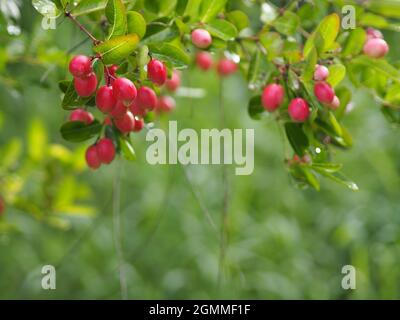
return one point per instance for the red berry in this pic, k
(298, 110)
(80, 66)
(139, 124)
(324, 92)
(226, 67)
(105, 99)
(106, 150)
(272, 97)
(146, 98)
(376, 48)
(204, 60)
(82, 116)
(136, 110)
(2, 206)
(165, 104)
(119, 110)
(335, 103)
(124, 90)
(107, 121)
(175, 81)
(201, 38)
(85, 87)
(125, 123)
(373, 34)
(321, 73)
(92, 157)
(156, 72)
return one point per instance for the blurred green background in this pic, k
(284, 243)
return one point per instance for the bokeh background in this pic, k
(284, 243)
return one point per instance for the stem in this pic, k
(117, 230)
(225, 207)
(81, 26)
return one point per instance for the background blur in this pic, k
(284, 243)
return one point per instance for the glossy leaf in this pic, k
(210, 8)
(116, 16)
(222, 29)
(76, 131)
(116, 49)
(136, 23)
(298, 140)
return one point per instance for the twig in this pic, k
(82, 27)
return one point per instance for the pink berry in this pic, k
(299, 110)
(374, 34)
(165, 104)
(204, 60)
(124, 90)
(157, 72)
(92, 157)
(335, 103)
(119, 110)
(201, 38)
(146, 98)
(85, 87)
(272, 97)
(125, 123)
(139, 124)
(105, 150)
(321, 73)
(175, 81)
(226, 67)
(82, 116)
(105, 99)
(324, 92)
(376, 48)
(80, 66)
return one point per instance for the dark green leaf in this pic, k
(255, 108)
(298, 140)
(76, 131)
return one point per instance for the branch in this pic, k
(82, 27)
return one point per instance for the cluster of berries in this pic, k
(202, 39)
(123, 105)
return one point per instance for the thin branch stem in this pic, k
(117, 230)
(82, 27)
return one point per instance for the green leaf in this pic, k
(287, 23)
(309, 68)
(379, 65)
(63, 85)
(239, 19)
(192, 9)
(116, 16)
(298, 140)
(210, 8)
(255, 108)
(37, 139)
(160, 35)
(127, 148)
(88, 6)
(222, 29)
(337, 177)
(254, 67)
(337, 72)
(273, 44)
(46, 7)
(71, 99)
(136, 23)
(310, 178)
(389, 8)
(355, 42)
(328, 29)
(118, 48)
(327, 167)
(170, 53)
(76, 131)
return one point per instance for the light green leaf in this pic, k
(127, 148)
(171, 53)
(116, 16)
(287, 23)
(116, 49)
(210, 8)
(355, 42)
(136, 23)
(239, 19)
(337, 72)
(381, 66)
(222, 29)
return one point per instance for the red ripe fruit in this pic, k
(124, 90)
(175, 81)
(226, 67)
(298, 110)
(85, 87)
(106, 150)
(125, 123)
(272, 97)
(204, 60)
(80, 66)
(136, 110)
(156, 72)
(321, 73)
(82, 116)
(92, 157)
(139, 124)
(146, 98)
(165, 104)
(107, 121)
(105, 99)
(119, 110)
(376, 48)
(201, 38)
(324, 92)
